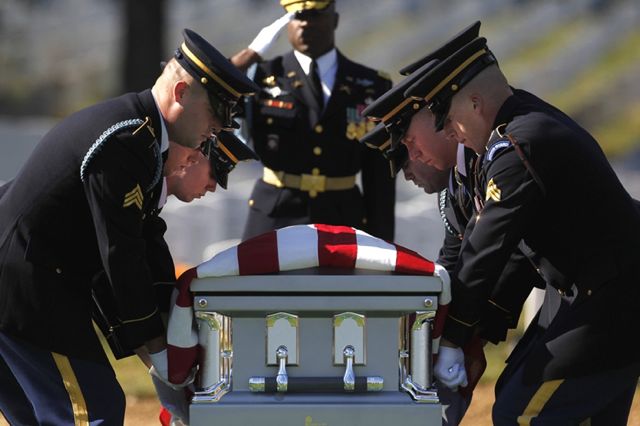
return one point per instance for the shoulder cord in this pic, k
(442, 201)
(97, 146)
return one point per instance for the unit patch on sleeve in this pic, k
(495, 148)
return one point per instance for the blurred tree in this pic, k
(143, 37)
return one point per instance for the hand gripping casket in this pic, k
(310, 325)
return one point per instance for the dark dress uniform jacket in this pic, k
(503, 307)
(572, 210)
(290, 134)
(57, 231)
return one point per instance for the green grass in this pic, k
(131, 373)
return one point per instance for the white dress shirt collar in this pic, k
(461, 167)
(461, 161)
(327, 68)
(325, 62)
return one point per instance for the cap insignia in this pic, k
(134, 197)
(493, 191)
(270, 81)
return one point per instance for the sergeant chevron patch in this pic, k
(134, 196)
(493, 191)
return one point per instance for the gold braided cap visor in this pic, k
(202, 66)
(297, 5)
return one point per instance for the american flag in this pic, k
(287, 249)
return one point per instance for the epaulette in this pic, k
(497, 142)
(139, 126)
(384, 75)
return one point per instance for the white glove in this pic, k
(160, 370)
(269, 34)
(449, 368)
(171, 398)
(160, 364)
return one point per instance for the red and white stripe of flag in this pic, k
(286, 249)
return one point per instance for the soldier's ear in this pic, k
(180, 89)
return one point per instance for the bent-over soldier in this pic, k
(79, 205)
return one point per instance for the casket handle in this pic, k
(347, 383)
(282, 380)
(349, 378)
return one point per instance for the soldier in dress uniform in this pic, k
(226, 150)
(544, 180)
(80, 205)
(406, 135)
(305, 124)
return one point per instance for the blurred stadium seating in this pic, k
(58, 56)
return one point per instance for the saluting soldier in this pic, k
(80, 205)
(543, 179)
(305, 124)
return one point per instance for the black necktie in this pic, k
(317, 84)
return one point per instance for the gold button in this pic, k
(589, 292)
(315, 171)
(204, 80)
(269, 120)
(58, 271)
(364, 220)
(317, 150)
(313, 193)
(251, 202)
(318, 128)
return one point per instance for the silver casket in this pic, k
(319, 346)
